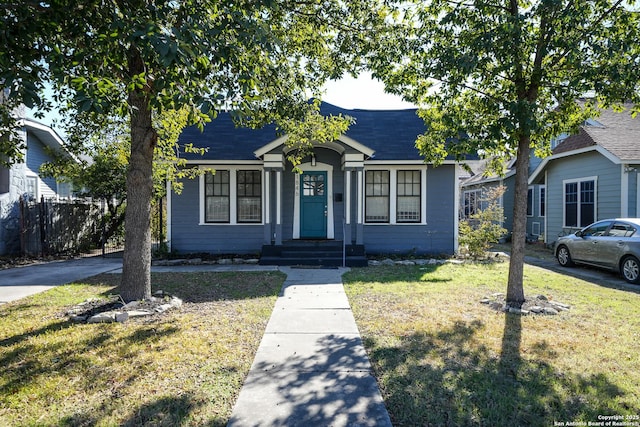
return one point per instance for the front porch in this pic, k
(326, 253)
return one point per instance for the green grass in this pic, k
(185, 367)
(442, 358)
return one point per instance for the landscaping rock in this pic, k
(238, 260)
(373, 262)
(405, 262)
(550, 311)
(194, 261)
(252, 261)
(225, 261)
(388, 261)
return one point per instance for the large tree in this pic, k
(133, 58)
(502, 77)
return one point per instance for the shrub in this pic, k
(481, 230)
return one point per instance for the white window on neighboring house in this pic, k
(530, 201)
(472, 201)
(65, 189)
(580, 198)
(31, 187)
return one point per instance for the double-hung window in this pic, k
(530, 201)
(216, 196)
(249, 196)
(472, 200)
(408, 196)
(579, 202)
(377, 186)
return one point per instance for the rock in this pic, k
(251, 261)
(497, 295)
(560, 305)
(536, 309)
(405, 262)
(162, 308)
(542, 298)
(388, 262)
(225, 261)
(519, 311)
(106, 317)
(238, 260)
(454, 261)
(121, 316)
(78, 319)
(421, 261)
(550, 311)
(373, 262)
(194, 261)
(139, 313)
(433, 261)
(485, 301)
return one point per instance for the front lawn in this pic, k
(442, 358)
(184, 367)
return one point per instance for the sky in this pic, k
(350, 93)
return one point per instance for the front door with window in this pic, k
(313, 205)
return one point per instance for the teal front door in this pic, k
(313, 205)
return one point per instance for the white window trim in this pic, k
(540, 188)
(564, 199)
(233, 195)
(393, 194)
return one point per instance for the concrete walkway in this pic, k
(311, 368)
(20, 282)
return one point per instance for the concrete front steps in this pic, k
(326, 253)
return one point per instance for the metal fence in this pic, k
(58, 227)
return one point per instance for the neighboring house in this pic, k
(475, 189)
(23, 180)
(369, 190)
(592, 175)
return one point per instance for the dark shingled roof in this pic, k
(390, 133)
(618, 133)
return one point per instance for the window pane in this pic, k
(249, 196)
(571, 204)
(543, 195)
(377, 196)
(217, 209)
(408, 201)
(587, 203)
(377, 209)
(530, 202)
(216, 194)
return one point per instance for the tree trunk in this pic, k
(515, 289)
(136, 263)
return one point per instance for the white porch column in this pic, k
(278, 230)
(360, 213)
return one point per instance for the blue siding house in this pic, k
(370, 190)
(24, 180)
(592, 175)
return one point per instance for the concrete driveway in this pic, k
(19, 282)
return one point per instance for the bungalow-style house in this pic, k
(23, 180)
(370, 190)
(592, 175)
